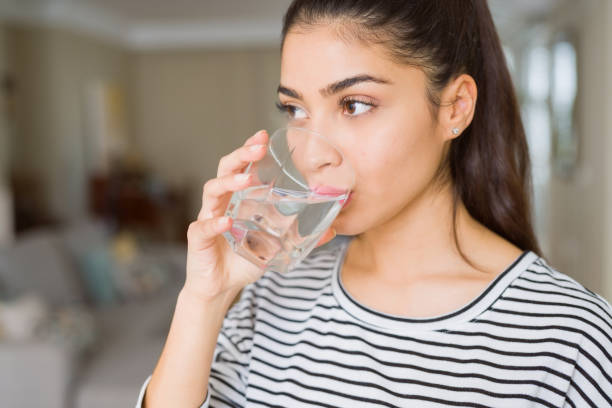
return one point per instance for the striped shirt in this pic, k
(533, 338)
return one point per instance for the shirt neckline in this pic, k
(465, 313)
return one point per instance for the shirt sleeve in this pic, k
(229, 370)
(205, 404)
(591, 381)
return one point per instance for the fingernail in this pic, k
(256, 147)
(256, 134)
(242, 177)
(222, 221)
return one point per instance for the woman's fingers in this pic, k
(214, 197)
(260, 137)
(230, 177)
(201, 234)
(253, 149)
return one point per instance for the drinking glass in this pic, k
(297, 189)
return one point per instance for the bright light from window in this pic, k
(538, 78)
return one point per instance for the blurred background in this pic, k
(113, 114)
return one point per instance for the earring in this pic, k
(455, 131)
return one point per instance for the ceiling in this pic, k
(190, 10)
(180, 23)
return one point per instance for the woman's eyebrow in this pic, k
(335, 87)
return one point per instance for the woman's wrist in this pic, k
(183, 369)
(202, 307)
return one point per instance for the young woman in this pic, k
(436, 295)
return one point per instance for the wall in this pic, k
(186, 108)
(580, 241)
(53, 69)
(576, 217)
(191, 107)
(606, 61)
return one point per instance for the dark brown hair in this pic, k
(488, 163)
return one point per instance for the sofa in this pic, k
(84, 313)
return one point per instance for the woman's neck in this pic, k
(419, 240)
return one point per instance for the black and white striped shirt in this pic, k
(533, 338)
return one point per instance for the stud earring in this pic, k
(455, 131)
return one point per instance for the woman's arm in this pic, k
(214, 276)
(180, 378)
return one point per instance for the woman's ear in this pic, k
(459, 104)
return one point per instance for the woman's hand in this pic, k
(213, 269)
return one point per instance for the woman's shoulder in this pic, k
(548, 293)
(541, 273)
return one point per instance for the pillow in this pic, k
(96, 266)
(137, 274)
(80, 236)
(36, 263)
(72, 326)
(22, 317)
(28, 318)
(87, 242)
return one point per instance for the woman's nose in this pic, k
(319, 150)
(315, 157)
(319, 153)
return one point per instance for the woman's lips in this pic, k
(332, 191)
(328, 190)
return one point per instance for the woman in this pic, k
(437, 296)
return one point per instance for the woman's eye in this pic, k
(355, 108)
(292, 111)
(349, 107)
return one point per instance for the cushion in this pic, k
(87, 241)
(96, 266)
(80, 236)
(36, 263)
(21, 317)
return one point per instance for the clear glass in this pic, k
(297, 190)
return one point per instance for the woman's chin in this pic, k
(346, 224)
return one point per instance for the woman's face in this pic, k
(380, 121)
